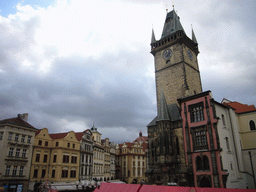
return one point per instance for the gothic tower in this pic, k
(177, 76)
(176, 66)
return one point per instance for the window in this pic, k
(252, 125)
(72, 174)
(11, 151)
(223, 120)
(74, 146)
(37, 157)
(16, 137)
(46, 143)
(21, 170)
(29, 139)
(7, 169)
(22, 138)
(64, 174)
(57, 144)
(206, 163)
(68, 145)
(73, 159)
(199, 163)
(35, 173)
(196, 112)
(40, 142)
(200, 138)
(227, 144)
(54, 158)
(65, 159)
(17, 152)
(24, 153)
(53, 173)
(1, 135)
(202, 164)
(14, 171)
(43, 173)
(10, 136)
(45, 158)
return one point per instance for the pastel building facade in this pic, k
(131, 160)
(16, 143)
(201, 141)
(55, 158)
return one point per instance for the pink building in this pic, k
(201, 140)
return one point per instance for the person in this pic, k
(5, 185)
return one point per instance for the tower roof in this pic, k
(172, 24)
(193, 37)
(153, 39)
(163, 108)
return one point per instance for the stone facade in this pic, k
(177, 76)
(86, 155)
(16, 143)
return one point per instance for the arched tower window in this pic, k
(198, 163)
(206, 163)
(252, 125)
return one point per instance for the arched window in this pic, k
(252, 125)
(206, 163)
(198, 163)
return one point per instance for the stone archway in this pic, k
(205, 182)
(134, 181)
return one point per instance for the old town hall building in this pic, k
(194, 140)
(177, 76)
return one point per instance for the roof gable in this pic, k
(17, 121)
(240, 108)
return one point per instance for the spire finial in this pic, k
(173, 4)
(166, 9)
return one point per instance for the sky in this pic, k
(70, 64)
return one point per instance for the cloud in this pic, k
(73, 63)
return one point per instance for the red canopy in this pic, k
(120, 187)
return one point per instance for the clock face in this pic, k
(167, 54)
(190, 55)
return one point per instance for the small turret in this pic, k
(153, 39)
(194, 37)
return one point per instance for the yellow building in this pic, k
(56, 157)
(16, 143)
(131, 160)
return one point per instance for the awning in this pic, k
(119, 187)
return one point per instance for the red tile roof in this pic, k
(17, 121)
(79, 135)
(240, 108)
(58, 135)
(144, 139)
(38, 131)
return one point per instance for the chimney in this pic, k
(140, 134)
(23, 116)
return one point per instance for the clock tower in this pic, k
(176, 67)
(177, 76)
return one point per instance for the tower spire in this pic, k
(153, 39)
(193, 35)
(172, 24)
